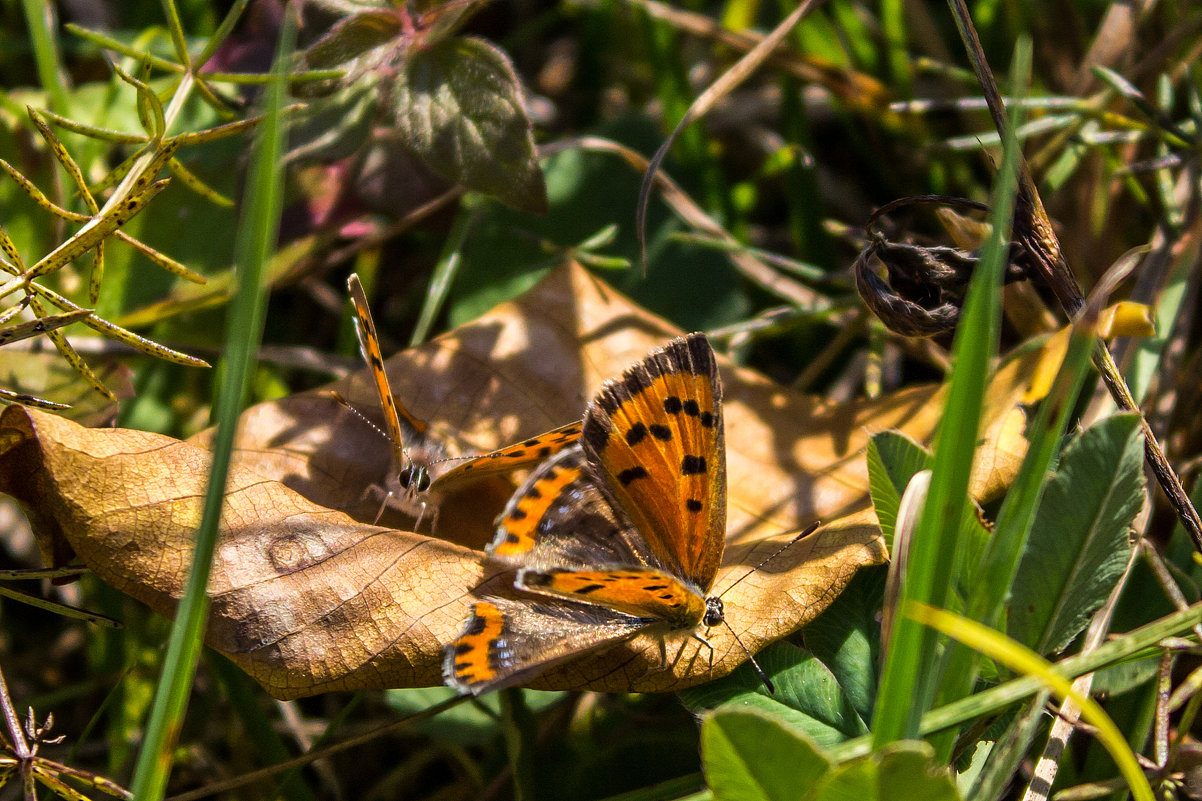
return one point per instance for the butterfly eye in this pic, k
(414, 477)
(714, 613)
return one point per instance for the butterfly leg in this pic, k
(433, 517)
(707, 644)
(383, 504)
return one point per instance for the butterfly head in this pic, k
(715, 615)
(414, 478)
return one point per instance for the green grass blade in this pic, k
(444, 273)
(1136, 644)
(51, 76)
(910, 681)
(256, 239)
(260, 730)
(999, 648)
(1003, 553)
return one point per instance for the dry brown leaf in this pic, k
(307, 598)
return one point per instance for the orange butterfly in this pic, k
(424, 472)
(618, 535)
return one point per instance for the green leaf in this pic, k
(350, 38)
(893, 459)
(846, 638)
(1078, 546)
(459, 108)
(1125, 676)
(808, 695)
(901, 771)
(750, 756)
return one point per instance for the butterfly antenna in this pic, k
(466, 458)
(347, 405)
(805, 532)
(759, 671)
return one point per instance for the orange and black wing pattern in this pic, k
(655, 437)
(527, 453)
(369, 344)
(559, 518)
(619, 533)
(505, 642)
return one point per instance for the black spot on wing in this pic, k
(660, 432)
(596, 433)
(636, 381)
(693, 505)
(701, 355)
(692, 465)
(636, 434)
(672, 404)
(632, 474)
(475, 626)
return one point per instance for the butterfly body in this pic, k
(423, 472)
(617, 536)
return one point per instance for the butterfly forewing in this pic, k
(369, 344)
(657, 435)
(619, 534)
(514, 457)
(640, 592)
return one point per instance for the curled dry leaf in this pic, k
(309, 598)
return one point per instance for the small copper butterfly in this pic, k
(619, 534)
(424, 472)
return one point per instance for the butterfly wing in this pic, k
(369, 343)
(505, 642)
(656, 436)
(514, 457)
(559, 518)
(636, 591)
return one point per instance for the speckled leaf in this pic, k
(349, 38)
(460, 108)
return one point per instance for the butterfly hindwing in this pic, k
(657, 436)
(559, 518)
(504, 642)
